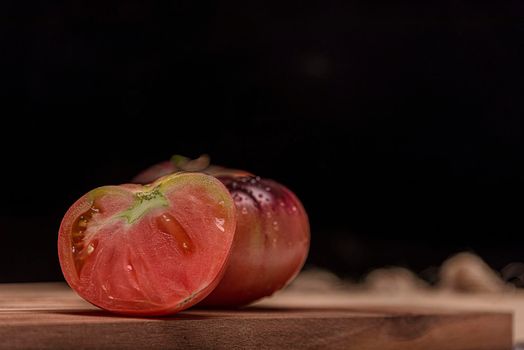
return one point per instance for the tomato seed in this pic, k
(78, 235)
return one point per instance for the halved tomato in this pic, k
(148, 250)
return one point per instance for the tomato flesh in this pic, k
(148, 250)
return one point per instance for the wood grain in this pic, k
(51, 316)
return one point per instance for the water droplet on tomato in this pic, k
(220, 224)
(294, 208)
(129, 268)
(244, 210)
(90, 248)
(221, 203)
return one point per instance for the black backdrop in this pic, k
(397, 124)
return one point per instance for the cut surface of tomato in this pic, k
(148, 250)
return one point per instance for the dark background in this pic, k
(398, 124)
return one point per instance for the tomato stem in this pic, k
(187, 164)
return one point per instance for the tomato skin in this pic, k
(154, 172)
(179, 163)
(148, 250)
(272, 241)
(272, 237)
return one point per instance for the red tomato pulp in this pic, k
(148, 250)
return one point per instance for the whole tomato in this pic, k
(272, 235)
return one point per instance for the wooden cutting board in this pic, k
(51, 316)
